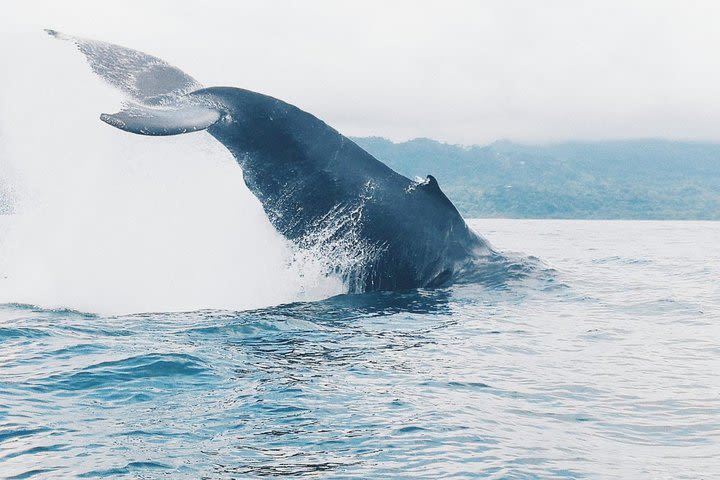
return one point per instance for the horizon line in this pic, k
(550, 143)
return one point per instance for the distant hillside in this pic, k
(635, 179)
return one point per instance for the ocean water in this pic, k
(605, 366)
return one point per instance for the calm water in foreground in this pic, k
(610, 368)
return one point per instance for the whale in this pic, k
(374, 228)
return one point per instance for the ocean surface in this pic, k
(606, 365)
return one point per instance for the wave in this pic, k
(112, 377)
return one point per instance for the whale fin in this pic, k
(145, 78)
(180, 118)
(431, 186)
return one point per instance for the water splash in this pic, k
(115, 223)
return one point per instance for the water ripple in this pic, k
(118, 372)
(607, 368)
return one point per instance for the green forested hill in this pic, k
(634, 179)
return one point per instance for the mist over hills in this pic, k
(631, 179)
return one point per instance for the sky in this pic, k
(465, 72)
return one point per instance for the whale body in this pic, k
(376, 228)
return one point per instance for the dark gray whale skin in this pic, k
(373, 227)
(310, 178)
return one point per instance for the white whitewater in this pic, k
(117, 223)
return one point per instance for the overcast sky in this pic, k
(461, 72)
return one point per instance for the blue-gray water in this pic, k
(607, 369)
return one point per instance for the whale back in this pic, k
(320, 189)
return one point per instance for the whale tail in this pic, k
(158, 103)
(184, 117)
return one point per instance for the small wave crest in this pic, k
(111, 377)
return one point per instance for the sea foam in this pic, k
(110, 222)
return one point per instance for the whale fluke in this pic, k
(179, 119)
(161, 105)
(145, 78)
